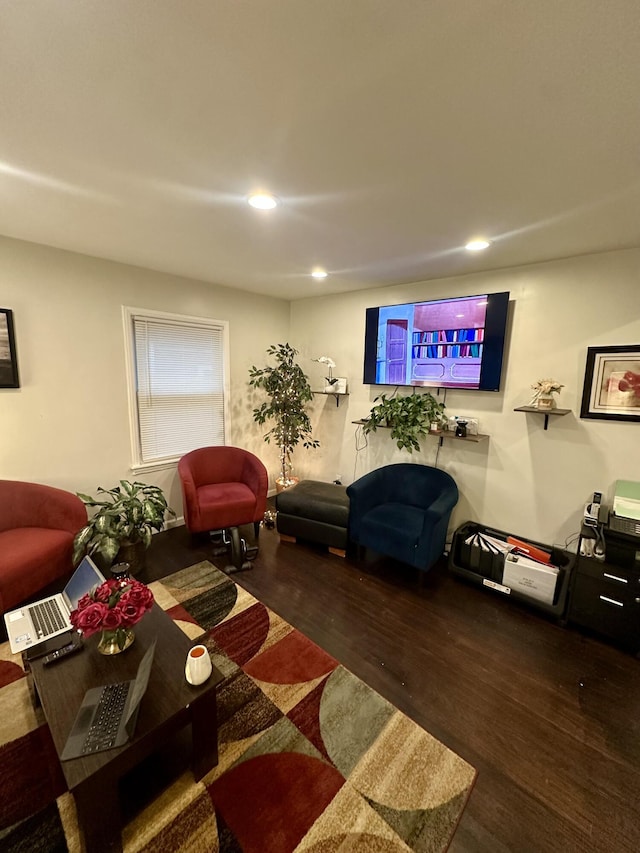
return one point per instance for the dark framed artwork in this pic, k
(612, 383)
(8, 360)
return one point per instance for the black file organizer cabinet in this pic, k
(605, 595)
(485, 568)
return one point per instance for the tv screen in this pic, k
(443, 343)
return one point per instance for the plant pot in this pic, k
(282, 483)
(133, 553)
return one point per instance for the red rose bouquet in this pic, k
(113, 608)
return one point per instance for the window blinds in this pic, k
(179, 386)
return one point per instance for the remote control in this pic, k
(59, 654)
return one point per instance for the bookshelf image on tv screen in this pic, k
(444, 343)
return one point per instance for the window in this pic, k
(177, 384)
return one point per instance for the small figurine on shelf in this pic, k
(544, 390)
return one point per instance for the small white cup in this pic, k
(198, 666)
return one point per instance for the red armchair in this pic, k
(37, 526)
(222, 487)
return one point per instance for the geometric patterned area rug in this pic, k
(311, 760)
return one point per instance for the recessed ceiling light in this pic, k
(263, 201)
(318, 273)
(477, 245)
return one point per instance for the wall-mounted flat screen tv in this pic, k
(443, 343)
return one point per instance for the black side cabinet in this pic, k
(605, 595)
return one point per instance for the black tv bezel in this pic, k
(492, 354)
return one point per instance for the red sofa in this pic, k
(37, 527)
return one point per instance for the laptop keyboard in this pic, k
(47, 618)
(106, 721)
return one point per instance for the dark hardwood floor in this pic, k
(549, 717)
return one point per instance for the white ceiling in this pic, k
(392, 131)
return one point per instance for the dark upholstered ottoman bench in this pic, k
(315, 511)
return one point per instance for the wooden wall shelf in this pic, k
(546, 412)
(441, 435)
(335, 394)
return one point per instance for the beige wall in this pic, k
(524, 479)
(68, 423)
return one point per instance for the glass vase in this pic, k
(114, 642)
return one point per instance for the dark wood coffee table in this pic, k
(169, 704)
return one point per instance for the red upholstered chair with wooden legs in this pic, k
(222, 489)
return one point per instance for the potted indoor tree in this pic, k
(409, 418)
(122, 526)
(288, 391)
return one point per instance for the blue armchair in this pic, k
(403, 511)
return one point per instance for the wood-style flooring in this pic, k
(549, 717)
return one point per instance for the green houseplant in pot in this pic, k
(288, 392)
(121, 528)
(409, 418)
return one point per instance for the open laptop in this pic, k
(108, 714)
(39, 622)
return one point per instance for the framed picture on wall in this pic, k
(612, 383)
(8, 360)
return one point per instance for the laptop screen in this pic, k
(139, 686)
(83, 580)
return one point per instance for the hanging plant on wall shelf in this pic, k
(409, 418)
(289, 391)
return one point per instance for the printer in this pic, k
(625, 510)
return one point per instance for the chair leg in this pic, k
(256, 529)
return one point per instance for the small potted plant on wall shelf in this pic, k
(409, 418)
